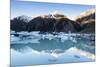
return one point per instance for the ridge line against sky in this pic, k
(32, 9)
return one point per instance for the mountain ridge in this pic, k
(56, 22)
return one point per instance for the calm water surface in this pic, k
(34, 48)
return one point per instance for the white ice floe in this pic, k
(13, 38)
(35, 36)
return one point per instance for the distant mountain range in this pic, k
(56, 22)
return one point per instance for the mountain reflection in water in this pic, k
(34, 48)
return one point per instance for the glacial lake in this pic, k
(34, 48)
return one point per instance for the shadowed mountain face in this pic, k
(86, 16)
(41, 24)
(65, 25)
(48, 24)
(88, 27)
(85, 23)
(19, 24)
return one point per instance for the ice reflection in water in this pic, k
(34, 48)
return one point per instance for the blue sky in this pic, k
(31, 9)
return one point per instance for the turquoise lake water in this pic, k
(51, 48)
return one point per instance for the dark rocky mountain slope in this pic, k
(87, 21)
(84, 23)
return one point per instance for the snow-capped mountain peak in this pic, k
(55, 12)
(86, 13)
